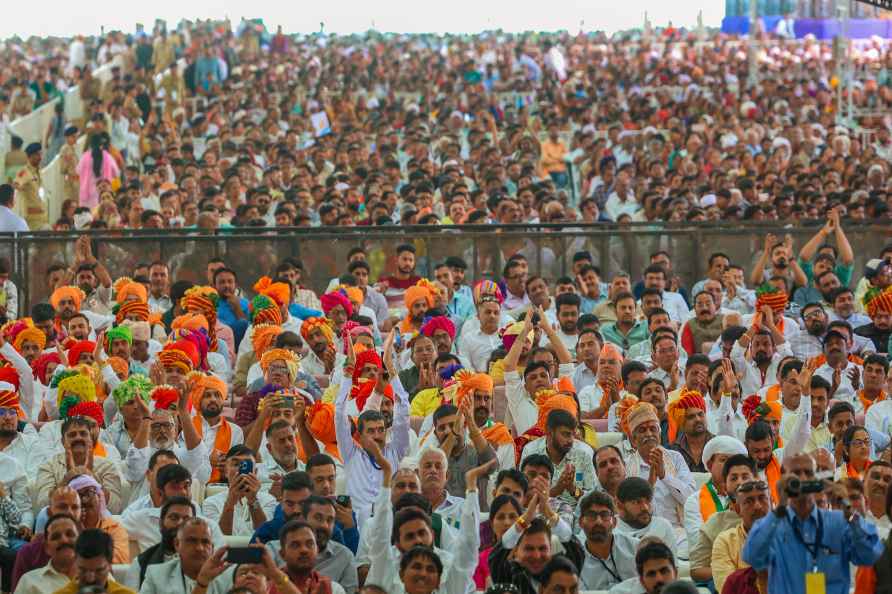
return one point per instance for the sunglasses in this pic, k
(752, 486)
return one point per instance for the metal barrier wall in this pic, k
(323, 251)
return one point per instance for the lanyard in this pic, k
(614, 573)
(815, 547)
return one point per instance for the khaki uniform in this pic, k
(174, 91)
(71, 187)
(27, 183)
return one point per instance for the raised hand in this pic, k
(729, 378)
(214, 566)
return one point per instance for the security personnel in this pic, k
(28, 184)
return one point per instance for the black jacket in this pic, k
(151, 556)
(504, 571)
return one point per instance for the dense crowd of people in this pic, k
(631, 433)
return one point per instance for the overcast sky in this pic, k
(57, 17)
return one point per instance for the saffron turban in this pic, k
(68, 292)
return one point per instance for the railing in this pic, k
(485, 248)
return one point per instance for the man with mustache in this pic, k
(752, 501)
(664, 469)
(842, 300)
(78, 458)
(175, 511)
(609, 553)
(242, 507)
(635, 506)
(688, 415)
(168, 427)
(808, 344)
(609, 468)
(63, 500)
(844, 375)
(194, 545)
(655, 565)
(334, 559)
(59, 537)
(208, 394)
(876, 486)
(767, 346)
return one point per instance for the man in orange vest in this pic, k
(208, 395)
(712, 497)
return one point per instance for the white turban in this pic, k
(722, 444)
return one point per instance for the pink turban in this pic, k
(335, 298)
(438, 323)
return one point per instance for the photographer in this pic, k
(800, 544)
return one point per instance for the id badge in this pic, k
(815, 583)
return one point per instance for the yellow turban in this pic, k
(284, 355)
(68, 292)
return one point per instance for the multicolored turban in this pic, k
(678, 409)
(265, 311)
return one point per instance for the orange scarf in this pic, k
(710, 502)
(822, 359)
(852, 472)
(773, 393)
(222, 442)
(773, 475)
(866, 402)
(497, 435)
(99, 450)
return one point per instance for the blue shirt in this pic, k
(773, 545)
(269, 531)
(227, 316)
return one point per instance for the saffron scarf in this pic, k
(222, 442)
(773, 475)
(497, 434)
(710, 502)
(867, 402)
(99, 450)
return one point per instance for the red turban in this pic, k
(79, 348)
(41, 363)
(438, 323)
(335, 298)
(10, 376)
(364, 358)
(164, 397)
(362, 390)
(90, 409)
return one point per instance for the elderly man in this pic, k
(705, 327)
(280, 368)
(712, 497)
(752, 501)
(450, 426)
(666, 470)
(165, 429)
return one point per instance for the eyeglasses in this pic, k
(858, 443)
(8, 412)
(160, 426)
(278, 368)
(752, 486)
(603, 515)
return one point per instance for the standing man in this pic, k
(10, 222)
(799, 539)
(29, 184)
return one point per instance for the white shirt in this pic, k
(41, 580)
(143, 527)
(593, 575)
(10, 222)
(209, 433)
(671, 492)
(693, 517)
(753, 380)
(676, 307)
(658, 527)
(475, 347)
(845, 391)
(196, 461)
(879, 417)
(242, 524)
(15, 480)
(458, 564)
(522, 412)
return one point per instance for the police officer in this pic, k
(28, 184)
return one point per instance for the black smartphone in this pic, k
(246, 467)
(244, 555)
(343, 500)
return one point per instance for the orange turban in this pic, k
(140, 309)
(288, 357)
(201, 382)
(878, 300)
(68, 292)
(557, 401)
(126, 289)
(278, 292)
(354, 294)
(203, 300)
(469, 382)
(418, 292)
(190, 321)
(174, 355)
(30, 334)
(636, 413)
(320, 422)
(772, 297)
(610, 351)
(262, 336)
(678, 409)
(322, 324)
